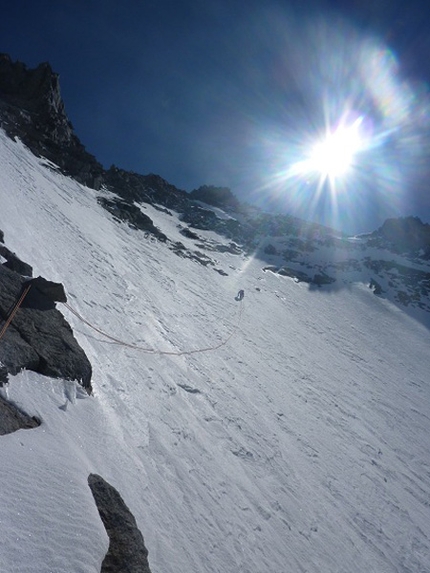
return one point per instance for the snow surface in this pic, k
(302, 445)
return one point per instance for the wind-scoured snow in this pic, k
(301, 445)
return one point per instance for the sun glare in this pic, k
(354, 139)
(334, 155)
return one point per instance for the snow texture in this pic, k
(301, 445)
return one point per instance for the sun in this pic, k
(333, 155)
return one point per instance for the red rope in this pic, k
(152, 350)
(14, 311)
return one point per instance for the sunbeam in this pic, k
(355, 134)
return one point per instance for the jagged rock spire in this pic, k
(32, 109)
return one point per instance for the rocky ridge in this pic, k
(32, 109)
(393, 260)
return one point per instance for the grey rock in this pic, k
(40, 287)
(132, 215)
(32, 109)
(377, 289)
(13, 419)
(3, 374)
(217, 196)
(270, 250)
(16, 354)
(189, 234)
(127, 552)
(39, 338)
(322, 279)
(14, 263)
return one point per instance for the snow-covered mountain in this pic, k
(287, 432)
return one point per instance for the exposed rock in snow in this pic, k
(33, 110)
(127, 551)
(217, 196)
(3, 374)
(300, 445)
(12, 419)
(132, 215)
(14, 263)
(38, 337)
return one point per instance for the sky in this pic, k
(237, 94)
(302, 444)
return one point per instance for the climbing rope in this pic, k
(155, 351)
(14, 311)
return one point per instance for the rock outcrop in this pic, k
(13, 419)
(32, 109)
(127, 551)
(404, 235)
(38, 338)
(131, 214)
(217, 196)
(13, 262)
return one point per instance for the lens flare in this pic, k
(334, 154)
(356, 133)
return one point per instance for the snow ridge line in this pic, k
(153, 350)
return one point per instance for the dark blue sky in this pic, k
(225, 92)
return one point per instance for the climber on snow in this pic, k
(240, 295)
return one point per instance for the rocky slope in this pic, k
(395, 263)
(34, 334)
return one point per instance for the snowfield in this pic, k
(300, 445)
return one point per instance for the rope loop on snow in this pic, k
(153, 350)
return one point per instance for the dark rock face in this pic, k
(405, 234)
(14, 263)
(39, 338)
(127, 551)
(132, 215)
(42, 291)
(32, 109)
(216, 196)
(12, 419)
(144, 188)
(189, 234)
(3, 374)
(270, 250)
(322, 279)
(377, 289)
(16, 354)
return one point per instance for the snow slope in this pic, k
(301, 445)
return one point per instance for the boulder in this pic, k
(42, 289)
